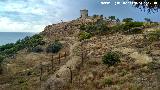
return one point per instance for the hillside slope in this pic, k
(78, 65)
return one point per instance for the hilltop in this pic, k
(69, 56)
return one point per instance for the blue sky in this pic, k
(34, 15)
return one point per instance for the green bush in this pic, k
(7, 46)
(132, 27)
(95, 16)
(136, 30)
(154, 36)
(127, 28)
(28, 42)
(150, 24)
(84, 35)
(116, 28)
(99, 27)
(32, 41)
(111, 58)
(108, 81)
(21, 44)
(37, 49)
(54, 48)
(1, 60)
(9, 51)
(127, 20)
(112, 18)
(82, 27)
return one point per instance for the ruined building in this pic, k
(84, 13)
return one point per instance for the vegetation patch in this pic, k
(12, 48)
(126, 20)
(84, 35)
(99, 27)
(1, 59)
(37, 49)
(27, 42)
(111, 58)
(108, 81)
(132, 27)
(154, 36)
(54, 47)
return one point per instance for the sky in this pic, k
(34, 15)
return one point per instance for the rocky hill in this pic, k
(78, 65)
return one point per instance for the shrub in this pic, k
(28, 42)
(82, 27)
(153, 65)
(147, 19)
(7, 46)
(136, 30)
(90, 29)
(84, 35)
(1, 60)
(37, 49)
(98, 27)
(111, 58)
(116, 28)
(112, 17)
(154, 36)
(95, 16)
(32, 41)
(132, 27)
(54, 48)
(108, 81)
(127, 20)
(151, 24)
(9, 51)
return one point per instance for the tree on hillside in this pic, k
(118, 20)
(112, 18)
(1, 59)
(153, 5)
(127, 20)
(101, 16)
(95, 16)
(54, 47)
(147, 19)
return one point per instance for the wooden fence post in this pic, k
(82, 53)
(71, 74)
(48, 69)
(52, 63)
(65, 54)
(59, 58)
(82, 58)
(41, 69)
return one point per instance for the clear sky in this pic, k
(34, 15)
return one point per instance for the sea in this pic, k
(12, 37)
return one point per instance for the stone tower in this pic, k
(84, 13)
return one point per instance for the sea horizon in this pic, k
(12, 37)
